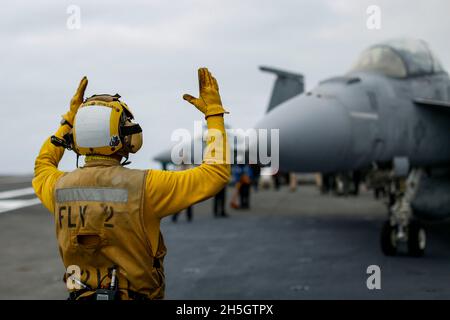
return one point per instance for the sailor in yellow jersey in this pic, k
(107, 217)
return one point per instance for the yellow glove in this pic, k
(76, 101)
(209, 102)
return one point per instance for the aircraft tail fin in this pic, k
(287, 85)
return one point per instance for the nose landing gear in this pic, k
(401, 233)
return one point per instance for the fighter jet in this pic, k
(391, 111)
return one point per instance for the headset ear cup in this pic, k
(136, 142)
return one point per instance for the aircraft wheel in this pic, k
(417, 239)
(389, 239)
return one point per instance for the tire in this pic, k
(416, 239)
(388, 239)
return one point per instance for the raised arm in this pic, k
(169, 192)
(46, 171)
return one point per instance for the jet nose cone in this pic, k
(314, 134)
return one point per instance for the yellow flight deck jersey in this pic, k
(123, 208)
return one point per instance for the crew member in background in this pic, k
(242, 178)
(219, 204)
(256, 171)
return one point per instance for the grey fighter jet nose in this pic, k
(314, 134)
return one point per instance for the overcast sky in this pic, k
(149, 52)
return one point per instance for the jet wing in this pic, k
(433, 104)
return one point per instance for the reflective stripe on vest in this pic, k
(92, 194)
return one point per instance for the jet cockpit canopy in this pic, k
(399, 59)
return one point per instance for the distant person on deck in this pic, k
(242, 178)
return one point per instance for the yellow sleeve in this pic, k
(46, 171)
(168, 192)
